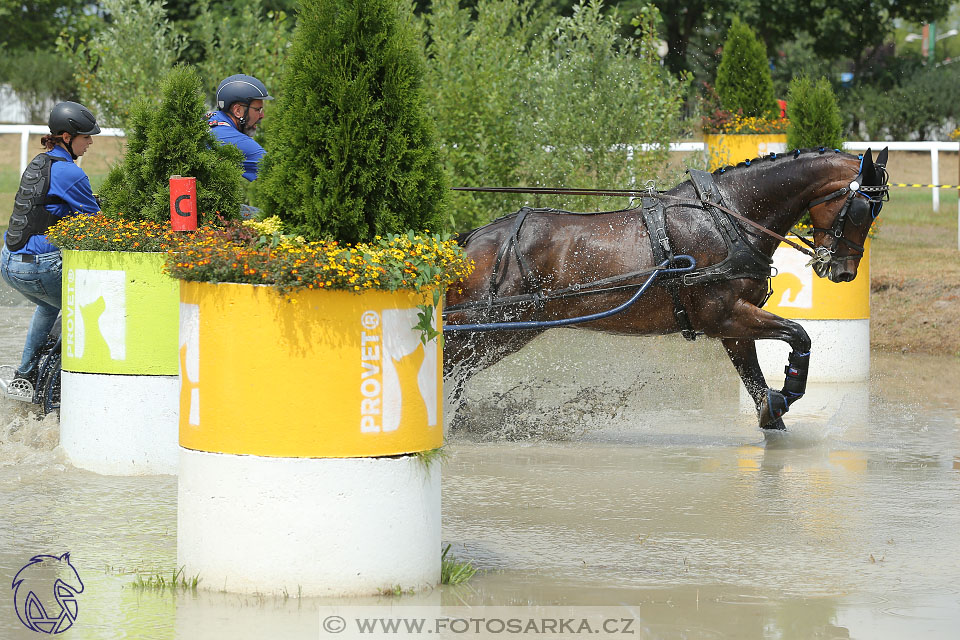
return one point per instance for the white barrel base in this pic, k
(122, 425)
(308, 526)
(839, 352)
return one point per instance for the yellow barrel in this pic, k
(798, 293)
(732, 148)
(316, 374)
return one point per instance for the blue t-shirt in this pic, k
(69, 182)
(227, 133)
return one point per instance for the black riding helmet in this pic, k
(243, 89)
(72, 118)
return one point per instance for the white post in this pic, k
(24, 142)
(935, 176)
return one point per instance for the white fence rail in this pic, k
(27, 130)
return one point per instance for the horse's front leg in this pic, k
(739, 335)
(743, 355)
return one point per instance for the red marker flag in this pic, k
(183, 203)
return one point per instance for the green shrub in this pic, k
(122, 63)
(173, 138)
(813, 115)
(351, 152)
(523, 98)
(743, 77)
(921, 107)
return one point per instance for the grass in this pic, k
(158, 581)
(432, 456)
(453, 571)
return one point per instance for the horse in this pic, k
(542, 267)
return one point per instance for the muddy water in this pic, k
(588, 470)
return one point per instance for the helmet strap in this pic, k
(69, 146)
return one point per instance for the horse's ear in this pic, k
(868, 172)
(882, 157)
(66, 557)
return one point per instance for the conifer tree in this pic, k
(813, 115)
(743, 77)
(173, 138)
(351, 151)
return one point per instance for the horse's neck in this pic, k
(777, 193)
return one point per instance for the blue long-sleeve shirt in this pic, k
(227, 133)
(69, 182)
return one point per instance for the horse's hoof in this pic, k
(776, 425)
(772, 407)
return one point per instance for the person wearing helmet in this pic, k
(52, 187)
(240, 101)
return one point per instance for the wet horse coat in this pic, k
(526, 258)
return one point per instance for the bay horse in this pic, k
(544, 265)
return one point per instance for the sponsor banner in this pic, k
(119, 313)
(798, 293)
(322, 374)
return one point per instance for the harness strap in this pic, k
(512, 242)
(743, 259)
(655, 218)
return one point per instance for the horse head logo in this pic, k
(42, 585)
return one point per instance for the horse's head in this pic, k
(842, 218)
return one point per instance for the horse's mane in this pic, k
(773, 157)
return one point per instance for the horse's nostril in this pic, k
(844, 276)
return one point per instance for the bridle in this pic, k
(860, 200)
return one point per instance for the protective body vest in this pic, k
(30, 216)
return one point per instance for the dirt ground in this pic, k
(915, 263)
(915, 291)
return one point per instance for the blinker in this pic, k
(858, 211)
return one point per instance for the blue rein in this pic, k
(661, 269)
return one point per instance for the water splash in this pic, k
(26, 437)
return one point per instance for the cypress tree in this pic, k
(813, 114)
(351, 152)
(743, 77)
(173, 138)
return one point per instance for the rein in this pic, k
(651, 193)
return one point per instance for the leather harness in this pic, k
(743, 260)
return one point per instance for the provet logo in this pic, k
(45, 594)
(96, 313)
(794, 280)
(398, 373)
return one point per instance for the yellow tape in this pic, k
(926, 186)
(331, 374)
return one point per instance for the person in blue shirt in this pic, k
(240, 101)
(52, 187)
